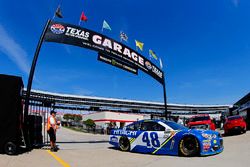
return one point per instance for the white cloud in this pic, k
(13, 50)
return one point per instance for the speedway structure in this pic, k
(66, 102)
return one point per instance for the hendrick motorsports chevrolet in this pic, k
(166, 137)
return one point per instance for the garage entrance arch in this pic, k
(74, 35)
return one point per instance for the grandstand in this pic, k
(68, 102)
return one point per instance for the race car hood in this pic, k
(200, 131)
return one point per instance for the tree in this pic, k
(89, 123)
(67, 117)
(77, 117)
(72, 117)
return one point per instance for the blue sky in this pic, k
(204, 45)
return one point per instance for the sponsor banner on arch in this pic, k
(82, 37)
(117, 63)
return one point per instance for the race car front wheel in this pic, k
(124, 144)
(189, 146)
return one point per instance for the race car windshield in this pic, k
(175, 126)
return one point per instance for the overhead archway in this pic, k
(74, 35)
(110, 51)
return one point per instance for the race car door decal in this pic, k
(152, 136)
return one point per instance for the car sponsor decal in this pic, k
(165, 142)
(206, 144)
(172, 144)
(114, 139)
(206, 141)
(206, 147)
(124, 132)
(132, 140)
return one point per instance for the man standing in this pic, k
(51, 129)
(179, 120)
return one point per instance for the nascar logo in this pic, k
(57, 28)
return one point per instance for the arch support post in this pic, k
(29, 85)
(166, 114)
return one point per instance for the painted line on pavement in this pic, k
(62, 162)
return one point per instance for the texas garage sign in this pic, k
(82, 37)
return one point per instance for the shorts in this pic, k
(52, 135)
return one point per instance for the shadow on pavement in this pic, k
(19, 151)
(232, 134)
(76, 142)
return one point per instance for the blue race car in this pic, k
(166, 137)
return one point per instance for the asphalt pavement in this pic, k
(81, 149)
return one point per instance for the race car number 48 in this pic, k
(154, 139)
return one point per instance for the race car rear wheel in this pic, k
(124, 144)
(189, 146)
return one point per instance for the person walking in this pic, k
(51, 129)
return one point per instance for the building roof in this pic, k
(243, 100)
